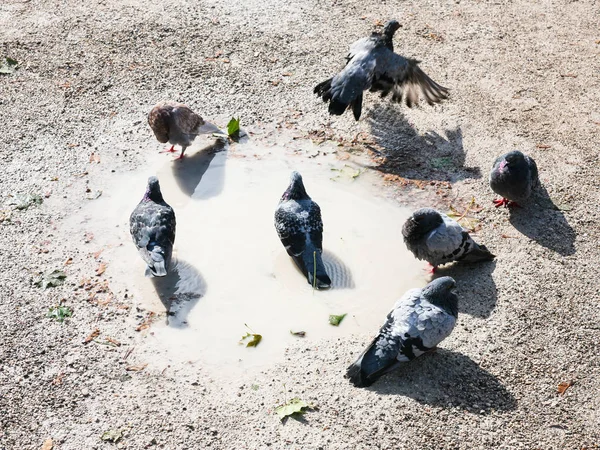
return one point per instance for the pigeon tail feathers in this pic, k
(479, 253)
(369, 367)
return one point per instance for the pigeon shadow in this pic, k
(179, 291)
(340, 274)
(202, 175)
(542, 221)
(480, 299)
(448, 379)
(431, 156)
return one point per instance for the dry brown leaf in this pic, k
(506, 236)
(89, 236)
(543, 146)
(100, 270)
(48, 444)
(564, 385)
(113, 341)
(69, 261)
(286, 74)
(73, 145)
(378, 23)
(94, 158)
(97, 254)
(275, 82)
(137, 368)
(568, 75)
(94, 334)
(146, 323)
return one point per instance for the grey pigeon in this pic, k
(419, 321)
(300, 229)
(372, 64)
(513, 176)
(438, 239)
(152, 227)
(177, 124)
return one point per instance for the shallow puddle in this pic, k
(230, 267)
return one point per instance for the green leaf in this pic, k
(59, 313)
(336, 320)
(298, 333)
(8, 66)
(294, 406)
(24, 201)
(51, 279)
(233, 127)
(254, 387)
(250, 339)
(112, 436)
(442, 162)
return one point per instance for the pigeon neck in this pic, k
(153, 195)
(296, 191)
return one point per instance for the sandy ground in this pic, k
(523, 75)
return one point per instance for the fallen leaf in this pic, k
(94, 158)
(569, 75)
(51, 279)
(543, 146)
(69, 261)
(8, 66)
(298, 333)
(252, 339)
(113, 341)
(294, 406)
(100, 270)
(137, 368)
(112, 436)
(48, 444)
(59, 313)
(506, 236)
(97, 254)
(146, 323)
(89, 236)
(24, 201)
(94, 334)
(233, 127)
(336, 320)
(275, 82)
(286, 74)
(563, 386)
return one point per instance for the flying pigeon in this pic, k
(419, 321)
(438, 239)
(177, 124)
(372, 64)
(513, 176)
(300, 229)
(152, 227)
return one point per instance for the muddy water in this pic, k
(230, 267)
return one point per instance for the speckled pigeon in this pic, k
(372, 64)
(419, 321)
(513, 176)
(438, 239)
(152, 227)
(177, 124)
(300, 228)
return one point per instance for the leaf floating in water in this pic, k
(250, 339)
(8, 66)
(298, 333)
(294, 406)
(51, 279)
(336, 320)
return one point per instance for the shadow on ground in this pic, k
(202, 175)
(476, 288)
(541, 220)
(448, 379)
(430, 157)
(340, 274)
(179, 292)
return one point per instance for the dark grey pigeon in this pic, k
(419, 321)
(438, 239)
(300, 228)
(513, 176)
(152, 227)
(372, 64)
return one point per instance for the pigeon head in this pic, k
(295, 190)
(153, 190)
(390, 28)
(440, 292)
(422, 222)
(513, 159)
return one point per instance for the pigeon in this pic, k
(419, 321)
(300, 229)
(177, 124)
(152, 227)
(372, 64)
(513, 176)
(438, 239)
